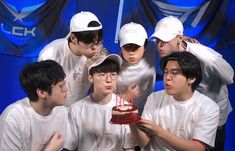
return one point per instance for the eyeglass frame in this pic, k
(172, 73)
(103, 76)
(91, 45)
(61, 85)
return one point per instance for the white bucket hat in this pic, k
(167, 29)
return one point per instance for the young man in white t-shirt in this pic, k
(84, 41)
(39, 121)
(179, 117)
(217, 73)
(137, 76)
(90, 117)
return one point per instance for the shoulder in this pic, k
(157, 94)
(156, 98)
(53, 49)
(206, 104)
(79, 104)
(16, 112)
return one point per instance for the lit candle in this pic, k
(116, 99)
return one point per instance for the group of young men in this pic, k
(59, 113)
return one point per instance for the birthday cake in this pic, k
(125, 114)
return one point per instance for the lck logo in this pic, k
(19, 27)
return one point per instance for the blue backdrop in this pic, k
(26, 26)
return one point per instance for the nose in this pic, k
(131, 52)
(167, 76)
(108, 78)
(94, 47)
(159, 43)
(65, 89)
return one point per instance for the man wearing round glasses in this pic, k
(89, 117)
(84, 41)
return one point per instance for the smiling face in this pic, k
(175, 82)
(132, 53)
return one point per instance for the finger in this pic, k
(57, 135)
(196, 41)
(140, 92)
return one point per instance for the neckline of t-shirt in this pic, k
(37, 115)
(102, 105)
(185, 102)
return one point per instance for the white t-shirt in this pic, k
(196, 118)
(217, 74)
(142, 74)
(23, 129)
(91, 128)
(74, 67)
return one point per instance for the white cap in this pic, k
(79, 22)
(168, 28)
(113, 57)
(132, 33)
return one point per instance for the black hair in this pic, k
(40, 75)
(133, 47)
(88, 37)
(190, 66)
(106, 66)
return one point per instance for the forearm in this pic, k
(224, 70)
(179, 143)
(140, 137)
(214, 62)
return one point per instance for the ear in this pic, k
(41, 93)
(73, 39)
(90, 78)
(191, 80)
(181, 37)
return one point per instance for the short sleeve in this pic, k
(128, 140)
(206, 127)
(10, 139)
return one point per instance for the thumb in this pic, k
(57, 135)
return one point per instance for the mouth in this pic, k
(108, 87)
(132, 59)
(92, 55)
(167, 86)
(161, 51)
